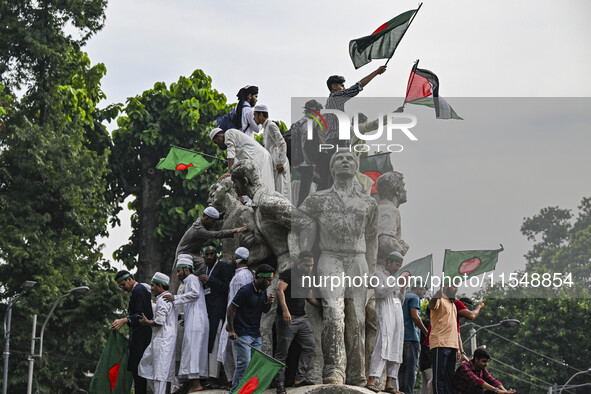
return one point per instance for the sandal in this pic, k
(392, 390)
(372, 387)
(281, 388)
(304, 382)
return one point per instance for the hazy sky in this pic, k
(470, 183)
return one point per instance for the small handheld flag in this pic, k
(260, 372)
(382, 43)
(183, 159)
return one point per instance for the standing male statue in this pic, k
(346, 224)
(390, 187)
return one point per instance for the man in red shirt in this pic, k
(472, 377)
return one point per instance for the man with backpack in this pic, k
(242, 117)
(304, 152)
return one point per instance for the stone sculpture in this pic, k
(223, 197)
(345, 222)
(272, 213)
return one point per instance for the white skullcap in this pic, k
(184, 260)
(214, 132)
(211, 212)
(260, 108)
(395, 256)
(241, 253)
(160, 278)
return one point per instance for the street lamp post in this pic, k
(78, 291)
(26, 286)
(508, 323)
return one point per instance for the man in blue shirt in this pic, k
(411, 311)
(244, 319)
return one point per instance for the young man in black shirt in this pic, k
(292, 321)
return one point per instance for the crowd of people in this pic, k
(213, 321)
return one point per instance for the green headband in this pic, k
(306, 260)
(265, 274)
(239, 258)
(184, 266)
(160, 282)
(209, 248)
(122, 278)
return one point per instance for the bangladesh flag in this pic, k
(374, 166)
(470, 262)
(184, 159)
(259, 374)
(420, 268)
(382, 43)
(423, 89)
(111, 374)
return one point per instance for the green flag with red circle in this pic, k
(470, 262)
(259, 374)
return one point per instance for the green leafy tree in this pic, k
(35, 35)
(165, 203)
(551, 343)
(54, 204)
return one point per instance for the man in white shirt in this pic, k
(247, 98)
(157, 363)
(239, 146)
(277, 148)
(194, 357)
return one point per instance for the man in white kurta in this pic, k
(242, 277)
(157, 363)
(194, 356)
(275, 144)
(239, 146)
(390, 336)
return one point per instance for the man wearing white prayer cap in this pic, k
(242, 276)
(192, 241)
(193, 365)
(240, 146)
(157, 363)
(277, 147)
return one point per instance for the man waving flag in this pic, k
(382, 43)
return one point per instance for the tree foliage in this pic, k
(165, 203)
(553, 323)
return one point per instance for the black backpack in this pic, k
(230, 120)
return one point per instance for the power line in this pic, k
(517, 377)
(531, 350)
(520, 371)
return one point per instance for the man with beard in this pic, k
(247, 98)
(215, 280)
(444, 338)
(194, 238)
(472, 377)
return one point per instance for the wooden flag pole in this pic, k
(407, 26)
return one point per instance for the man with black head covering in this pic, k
(140, 303)
(247, 98)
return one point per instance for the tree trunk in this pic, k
(150, 250)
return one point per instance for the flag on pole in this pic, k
(382, 43)
(111, 374)
(423, 89)
(470, 262)
(374, 166)
(183, 159)
(259, 374)
(420, 268)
